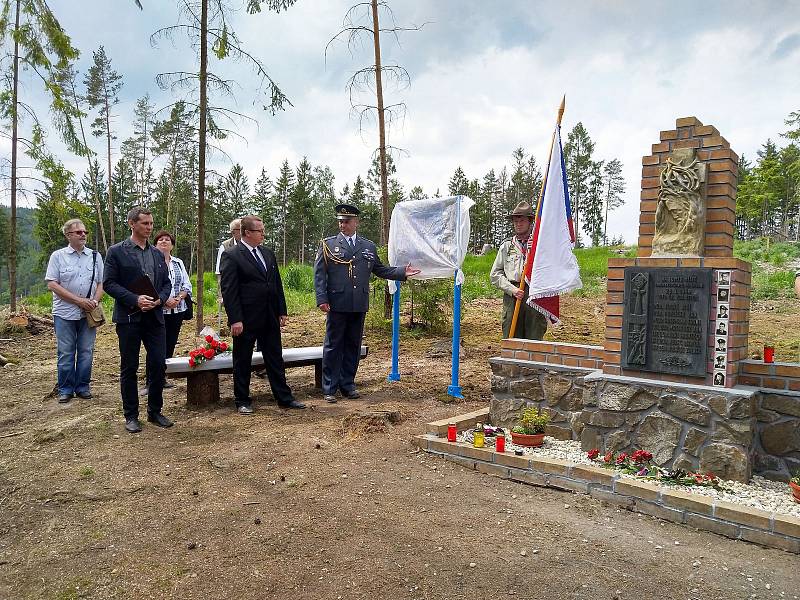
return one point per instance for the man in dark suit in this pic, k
(132, 265)
(256, 308)
(341, 279)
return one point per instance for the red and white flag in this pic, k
(552, 268)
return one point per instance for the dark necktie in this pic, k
(258, 261)
(352, 244)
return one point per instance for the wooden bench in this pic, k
(202, 381)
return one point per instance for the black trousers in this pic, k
(269, 341)
(172, 326)
(131, 336)
(341, 351)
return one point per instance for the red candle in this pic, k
(451, 432)
(769, 354)
(500, 442)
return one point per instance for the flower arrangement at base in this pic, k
(530, 431)
(211, 348)
(640, 464)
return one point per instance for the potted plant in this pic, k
(794, 483)
(530, 431)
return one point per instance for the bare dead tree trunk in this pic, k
(12, 251)
(303, 245)
(111, 220)
(283, 218)
(201, 191)
(376, 36)
(144, 160)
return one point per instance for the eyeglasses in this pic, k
(255, 230)
(79, 232)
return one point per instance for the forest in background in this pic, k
(159, 166)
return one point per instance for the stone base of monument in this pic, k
(732, 432)
(735, 521)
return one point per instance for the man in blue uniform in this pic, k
(341, 279)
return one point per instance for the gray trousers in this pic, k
(531, 324)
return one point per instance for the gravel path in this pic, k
(772, 496)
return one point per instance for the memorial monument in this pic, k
(672, 376)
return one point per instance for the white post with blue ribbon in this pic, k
(454, 389)
(395, 374)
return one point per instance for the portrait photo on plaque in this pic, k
(719, 360)
(723, 311)
(724, 277)
(723, 294)
(721, 344)
(719, 378)
(722, 327)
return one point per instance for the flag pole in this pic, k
(529, 258)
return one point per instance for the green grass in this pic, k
(762, 251)
(772, 277)
(298, 280)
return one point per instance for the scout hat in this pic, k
(523, 209)
(346, 211)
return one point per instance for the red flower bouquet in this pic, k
(207, 352)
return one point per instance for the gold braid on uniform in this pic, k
(327, 254)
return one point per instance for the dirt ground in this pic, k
(323, 503)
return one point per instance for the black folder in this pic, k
(142, 286)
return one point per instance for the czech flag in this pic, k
(551, 268)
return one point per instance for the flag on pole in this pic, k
(553, 269)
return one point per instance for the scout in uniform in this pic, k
(506, 274)
(342, 272)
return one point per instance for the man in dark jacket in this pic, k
(256, 307)
(341, 279)
(132, 266)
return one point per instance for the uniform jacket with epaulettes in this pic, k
(343, 288)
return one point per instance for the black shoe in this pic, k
(159, 420)
(245, 410)
(64, 398)
(330, 398)
(261, 373)
(352, 394)
(292, 404)
(84, 395)
(133, 425)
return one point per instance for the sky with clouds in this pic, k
(486, 77)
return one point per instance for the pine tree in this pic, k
(174, 137)
(300, 203)
(264, 206)
(103, 84)
(417, 193)
(324, 201)
(142, 130)
(55, 204)
(613, 188)
(578, 158)
(593, 204)
(458, 183)
(235, 192)
(284, 186)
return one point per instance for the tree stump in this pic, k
(202, 389)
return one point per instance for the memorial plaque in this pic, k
(665, 320)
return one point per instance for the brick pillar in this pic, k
(723, 164)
